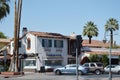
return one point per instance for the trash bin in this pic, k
(42, 69)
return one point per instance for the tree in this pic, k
(17, 18)
(4, 8)
(90, 30)
(105, 60)
(111, 25)
(94, 58)
(2, 35)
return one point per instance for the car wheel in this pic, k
(80, 73)
(98, 72)
(58, 72)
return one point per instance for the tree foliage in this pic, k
(4, 8)
(93, 58)
(90, 30)
(105, 60)
(2, 35)
(111, 25)
(96, 58)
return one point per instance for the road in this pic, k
(52, 76)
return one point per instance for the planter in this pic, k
(12, 73)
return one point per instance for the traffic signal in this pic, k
(79, 43)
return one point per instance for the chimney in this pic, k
(24, 30)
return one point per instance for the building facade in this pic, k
(96, 47)
(42, 49)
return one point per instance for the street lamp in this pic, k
(110, 50)
(110, 74)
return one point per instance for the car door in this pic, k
(67, 69)
(92, 67)
(114, 69)
(73, 68)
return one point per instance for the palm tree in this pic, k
(90, 30)
(17, 18)
(4, 8)
(111, 25)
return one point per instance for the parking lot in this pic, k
(52, 76)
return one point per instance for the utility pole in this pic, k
(78, 52)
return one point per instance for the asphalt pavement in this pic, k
(52, 76)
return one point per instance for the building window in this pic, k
(30, 63)
(46, 43)
(58, 43)
(28, 43)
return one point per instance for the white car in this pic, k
(114, 69)
(71, 69)
(51, 68)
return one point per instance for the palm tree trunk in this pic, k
(111, 36)
(17, 16)
(15, 38)
(90, 39)
(13, 59)
(18, 25)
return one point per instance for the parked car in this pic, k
(50, 68)
(71, 69)
(114, 69)
(95, 67)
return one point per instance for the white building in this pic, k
(42, 49)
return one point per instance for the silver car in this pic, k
(114, 69)
(71, 69)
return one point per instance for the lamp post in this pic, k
(110, 74)
(110, 50)
(77, 64)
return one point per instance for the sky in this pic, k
(63, 16)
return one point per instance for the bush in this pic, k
(104, 60)
(96, 58)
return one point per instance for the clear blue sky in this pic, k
(63, 16)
